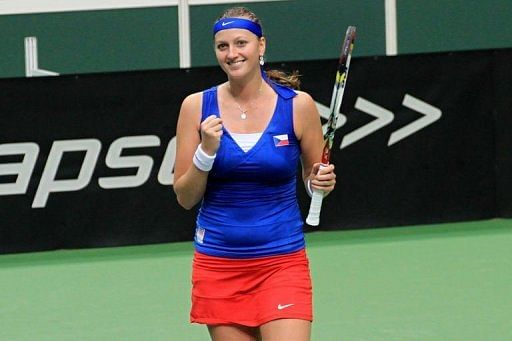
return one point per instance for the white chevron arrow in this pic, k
(383, 118)
(325, 111)
(431, 113)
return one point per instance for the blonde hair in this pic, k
(290, 80)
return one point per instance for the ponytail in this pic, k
(290, 80)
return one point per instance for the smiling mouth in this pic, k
(237, 62)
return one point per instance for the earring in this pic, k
(262, 61)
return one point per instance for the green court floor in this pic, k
(435, 282)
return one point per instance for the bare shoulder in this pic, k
(191, 108)
(303, 99)
(304, 106)
(190, 113)
(192, 101)
(305, 114)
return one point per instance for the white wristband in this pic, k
(202, 160)
(308, 188)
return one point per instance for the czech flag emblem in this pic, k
(281, 140)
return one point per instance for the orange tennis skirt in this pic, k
(250, 292)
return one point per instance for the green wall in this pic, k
(134, 39)
(300, 29)
(91, 41)
(449, 25)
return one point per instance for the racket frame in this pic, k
(315, 208)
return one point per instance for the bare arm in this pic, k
(189, 181)
(309, 131)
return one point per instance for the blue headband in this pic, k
(246, 24)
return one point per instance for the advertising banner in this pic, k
(87, 160)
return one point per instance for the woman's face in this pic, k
(238, 51)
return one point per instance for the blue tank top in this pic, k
(250, 206)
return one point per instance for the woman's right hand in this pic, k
(211, 132)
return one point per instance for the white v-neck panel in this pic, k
(246, 141)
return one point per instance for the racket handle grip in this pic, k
(315, 207)
(313, 218)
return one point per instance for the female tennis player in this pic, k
(238, 148)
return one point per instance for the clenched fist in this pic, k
(211, 133)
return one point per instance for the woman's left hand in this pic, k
(323, 178)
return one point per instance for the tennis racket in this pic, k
(315, 207)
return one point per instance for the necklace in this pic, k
(243, 113)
